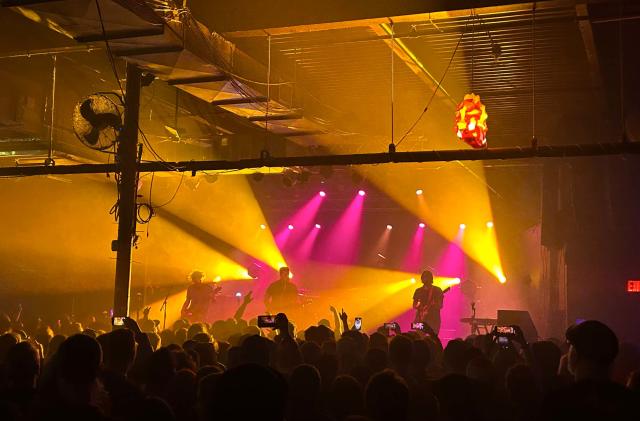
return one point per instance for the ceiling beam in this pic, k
(560, 151)
(245, 18)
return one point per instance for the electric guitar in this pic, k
(422, 309)
(187, 313)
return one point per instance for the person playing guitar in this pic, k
(427, 301)
(199, 297)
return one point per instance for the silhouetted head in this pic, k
(400, 352)
(593, 348)
(284, 273)
(547, 357)
(256, 349)
(345, 397)
(387, 397)
(427, 277)
(22, 365)
(304, 384)
(78, 360)
(250, 392)
(120, 349)
(456, 356)
(7, 340)
(196, 276)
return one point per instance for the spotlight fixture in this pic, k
(318, 226)
(413, 280)
(290, 227)
(502, 278)
(489, 224)
(322, 194)
(263, 227)
(462, 226)
(389, 227)
(217, 279)
(361, 192)
(421, 225)
(419, 192)
(238, 294)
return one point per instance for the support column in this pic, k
(127, 160)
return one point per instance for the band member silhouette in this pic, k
(427, 301)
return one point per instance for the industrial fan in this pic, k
(97, 121)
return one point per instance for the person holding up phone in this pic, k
(427, 301)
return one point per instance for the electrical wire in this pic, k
(437, 87)
(109, 53)
(174, 194)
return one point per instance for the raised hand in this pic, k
(343, 317)
(132, 325)
(248, 297)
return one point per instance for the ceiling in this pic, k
(340, 79)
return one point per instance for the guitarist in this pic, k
(427, 301)
(199, 296)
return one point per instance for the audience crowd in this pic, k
(234, 370)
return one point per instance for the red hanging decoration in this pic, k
(471, 121)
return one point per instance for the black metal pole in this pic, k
(127, 163)
(560, 151)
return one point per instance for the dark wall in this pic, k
(602, 243)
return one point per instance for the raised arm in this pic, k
(187, 303)
(245, 302)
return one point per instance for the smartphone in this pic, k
(267, 320)
(503, 341)
(505, 330)
(117, 321)
(417, 326)
(358, 323)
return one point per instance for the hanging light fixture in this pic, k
(471, 121)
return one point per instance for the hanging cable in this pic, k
(623, 124)
(393, 52)
(473, 46)
(533, 75)
(266, 120)
(426, 108)
(109, 53)
(49, 160)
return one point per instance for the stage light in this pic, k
(217, 279)
(421, 225)
(263, 227)
(419, 192)
(413, 280)
(238, 294)
(318, 226)
(361, 192)
(389, 227)
(462, 226)
(290, 227)
(489, 224)
(502, 278)
(322, 194)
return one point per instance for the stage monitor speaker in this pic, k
(520, 318)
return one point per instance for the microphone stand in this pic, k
(163, 308)
(474, 325)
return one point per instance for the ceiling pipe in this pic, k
(563, 151)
